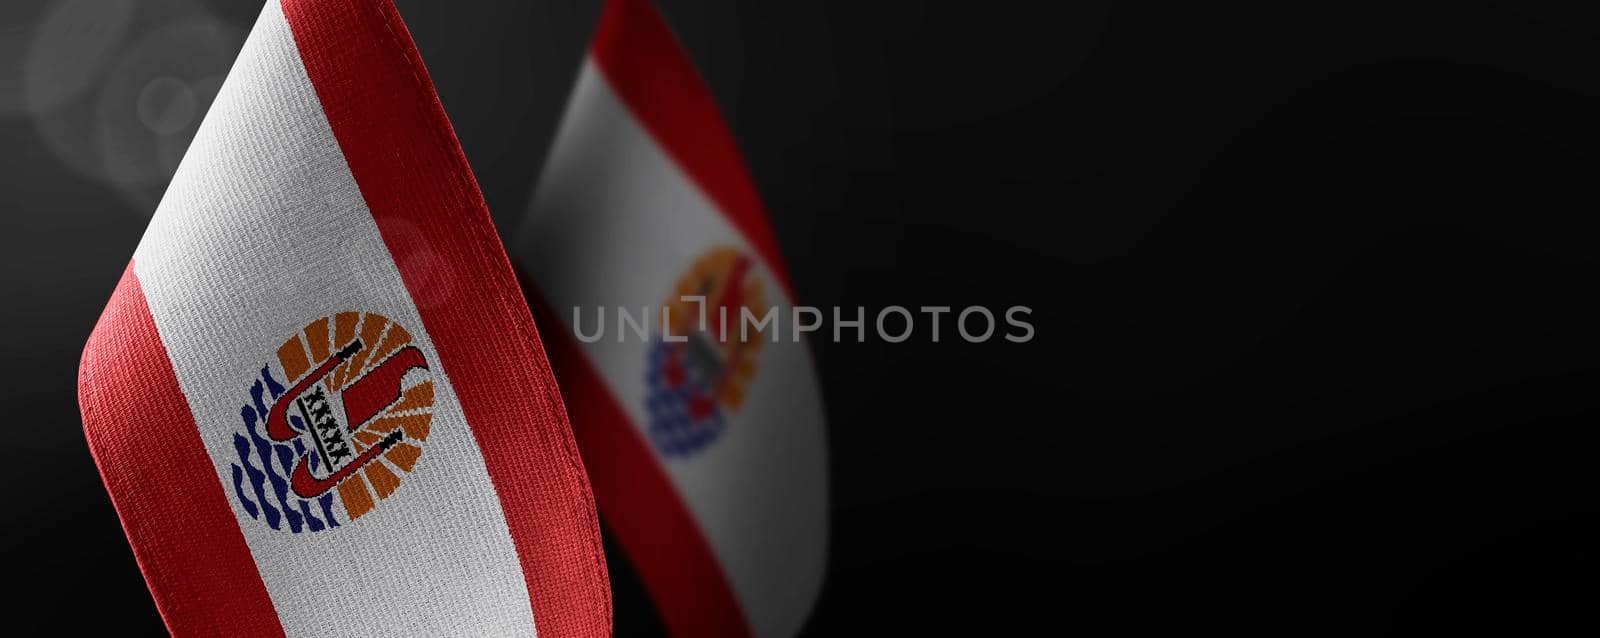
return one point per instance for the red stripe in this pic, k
(410, 169)
(637, 53)
(166, 491)
(641, 506)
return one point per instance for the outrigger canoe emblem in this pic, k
(363, 399)
(696, 385)
(357, 408)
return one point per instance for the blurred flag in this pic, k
(317, 398)
(706, 454)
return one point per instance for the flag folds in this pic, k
(702, 432)
(316, 397)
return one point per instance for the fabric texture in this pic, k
(317, 399)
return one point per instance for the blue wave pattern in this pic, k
(264, 465)
(673, 431)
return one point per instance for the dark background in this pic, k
(1316, 347)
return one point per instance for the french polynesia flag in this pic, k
(317, 397)
(705, 445)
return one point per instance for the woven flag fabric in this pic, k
(704, 442)
(317, 398)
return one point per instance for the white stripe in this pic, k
(615, 222)
(262, 231)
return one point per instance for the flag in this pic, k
(317, 398)
(704, 441)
